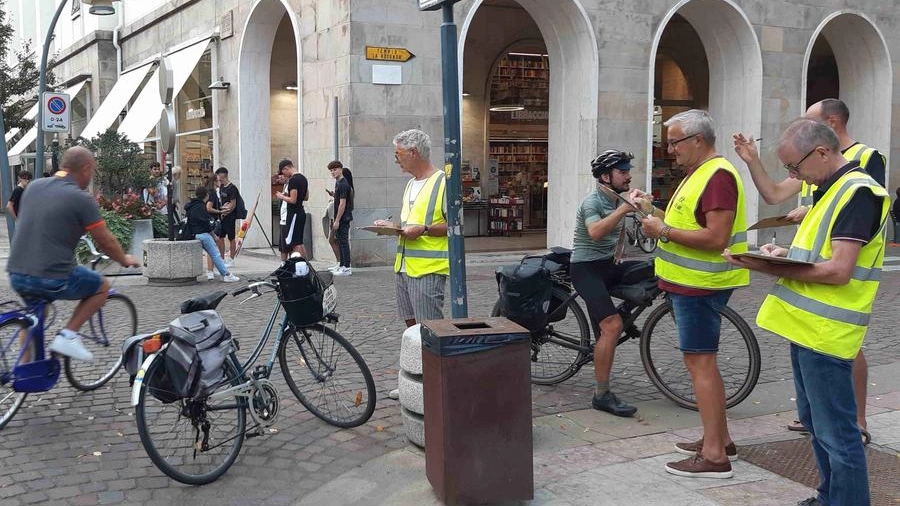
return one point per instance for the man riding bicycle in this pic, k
(54, 213)
(595, 268)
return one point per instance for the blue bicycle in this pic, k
(24, 365)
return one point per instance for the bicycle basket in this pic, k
(306, 295)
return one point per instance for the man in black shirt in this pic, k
(343, 215)
(293, 196)
(12, 206)
(228, 199)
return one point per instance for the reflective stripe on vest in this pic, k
(857, 152)
(700, 268)
(827, 318)
(425, 254)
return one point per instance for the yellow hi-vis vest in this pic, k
(859, 152)
(425, 254)
(829, 319)
(691, 267)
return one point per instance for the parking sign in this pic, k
(56, 114)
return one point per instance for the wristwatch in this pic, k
(426, 230)
(664, 234)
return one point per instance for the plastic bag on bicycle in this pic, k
(525, 293)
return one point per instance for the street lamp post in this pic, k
(452, 149)
(98, 8)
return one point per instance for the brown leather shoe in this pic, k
(699, 467)
(696, 447)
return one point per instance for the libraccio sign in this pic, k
(433, 5)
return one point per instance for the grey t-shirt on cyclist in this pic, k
(594, 207)
(54, 214)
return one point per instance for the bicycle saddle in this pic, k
(208, 301)
(559, 255)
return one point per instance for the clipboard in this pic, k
(772, 222)
(771, 259)
(381, 230)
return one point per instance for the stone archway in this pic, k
(572, 139)
(735, 77)
(864, 73)
(254, 102)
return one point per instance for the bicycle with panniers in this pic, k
(193, 395)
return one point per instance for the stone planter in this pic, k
(172, 263)
(143, 230)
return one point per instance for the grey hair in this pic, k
(694, 122)
(414, 139)
(805, 134)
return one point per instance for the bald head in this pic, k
(79, 162)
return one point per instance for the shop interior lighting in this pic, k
(292, 86)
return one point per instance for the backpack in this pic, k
(195, 358)
(240, 210)
(525, 293)
(183, 231)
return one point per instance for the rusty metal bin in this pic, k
(477, 399)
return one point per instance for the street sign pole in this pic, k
(457, 250)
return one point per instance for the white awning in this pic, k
(31, 135)
(117, 99)
(144, 113)
(31, 114)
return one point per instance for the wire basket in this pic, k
(307, 298)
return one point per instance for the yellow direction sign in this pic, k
(388, 53)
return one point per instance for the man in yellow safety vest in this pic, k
(823, 306)
(705, 215)
(836, 115)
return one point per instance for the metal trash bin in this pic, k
(477, 390)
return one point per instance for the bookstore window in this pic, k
(519, 114)
(194, 108)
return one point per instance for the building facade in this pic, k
(546, 86)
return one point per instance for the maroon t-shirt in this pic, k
(721, 193)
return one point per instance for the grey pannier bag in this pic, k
(195, 357)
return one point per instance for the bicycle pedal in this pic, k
(260, 371)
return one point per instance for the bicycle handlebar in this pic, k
(254, 287)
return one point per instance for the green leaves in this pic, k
(121, 164)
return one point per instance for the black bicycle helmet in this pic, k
(608, 160)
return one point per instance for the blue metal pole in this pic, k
(42, 87)
(6, 178)
(457, 250)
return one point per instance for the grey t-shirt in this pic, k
(54, 214)
(594, 207)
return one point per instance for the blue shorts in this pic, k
(699, 321)
(81, 284)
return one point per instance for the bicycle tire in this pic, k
(646, 244)
(556, 349)
(171, 442)
(327, 375)
(103, 335)
(738, 357)
(10, 348)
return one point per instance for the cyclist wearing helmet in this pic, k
(598, 224)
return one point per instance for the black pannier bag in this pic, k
(550, 262)
(525, 293)
(302, 291)
(195, 358)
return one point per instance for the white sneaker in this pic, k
(228, 262)
(394, 394)
(230, 278)
(210, 275)
(70, 347)
(342, 271)
(334, 267)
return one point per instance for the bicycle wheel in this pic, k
(10, 350)
(103, 335)
(738, 357)
(556, 350)
(193, 441)
(327, 375)
(647, 244)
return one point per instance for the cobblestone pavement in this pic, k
(69, 447)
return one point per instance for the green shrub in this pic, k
(122, 229)
(160, 225)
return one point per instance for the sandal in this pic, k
(866, 437)
(796, 426)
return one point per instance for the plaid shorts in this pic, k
(421, 298)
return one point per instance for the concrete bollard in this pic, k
(409, 379)
(172, 263)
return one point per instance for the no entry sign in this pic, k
(56, 114)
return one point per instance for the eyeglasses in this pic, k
(399, 153)
(796, 167)
(676, 141)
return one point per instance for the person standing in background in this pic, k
(228, 199)
(343, 215)
(24, 177)
(296, 192)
